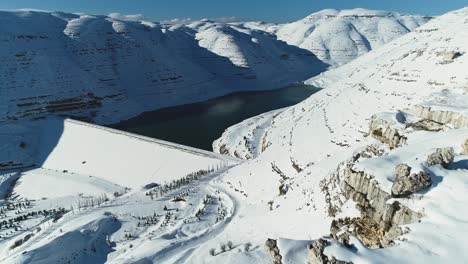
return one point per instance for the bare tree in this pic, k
(247, 246)
(230, 245)
(212, 252)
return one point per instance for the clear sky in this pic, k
(266, 10)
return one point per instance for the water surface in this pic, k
(199, 124)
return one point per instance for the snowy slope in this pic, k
(339, 36)
(302, 145)
(291, 188)
(109, 68)
(79, 184)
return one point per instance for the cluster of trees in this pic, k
(200, 212)
(167, 219)
(223, 247)
(21, 241)
(55, 214)
(222, 213)
(176, 184)
(15, 206)
(208, 199)
(148, 220)
(85, 202)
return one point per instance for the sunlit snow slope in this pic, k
(339, 36)
(421, 79)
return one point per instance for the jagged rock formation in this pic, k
(377, 215)
(407, 183)
(442, 156)
(316, 256)
(446, 117)
(465, 147)
(449, 56)
(272, 248)
(384, 131)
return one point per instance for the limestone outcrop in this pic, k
(316, 255)
(454, 119)
(407, 183)
(271, 247)
(384, 131)
(379, 223)
(465, 147)
(441, 156)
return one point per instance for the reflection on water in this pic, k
(199, 124)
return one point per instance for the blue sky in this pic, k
(266, 10)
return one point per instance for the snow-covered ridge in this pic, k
(339, 36)
(301, 146)
(288, 192)
(107, 69)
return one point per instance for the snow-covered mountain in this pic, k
(339, 36)
(403, 103)
(371, 169)
(109, 68)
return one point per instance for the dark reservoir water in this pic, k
(199, 124)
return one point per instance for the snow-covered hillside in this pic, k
(109, 68)
(420, 81)
(339, 36)
(64, 182)
(371, 169)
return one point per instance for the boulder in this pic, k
(316, 255)
(385, 132)
(441, 156)
(316, 249)
(465, 147)
(406, 183)
(271, 247)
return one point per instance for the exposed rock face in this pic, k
(407, 183)
(364, 190)
(442, 156)
(455, 119)
(365, 229)
(383, 131)
(316, 255)
(271, 247)
(380, 221)
(465, 147)
(316, 249)
(449, 56)
(428, 125)
(283, 189)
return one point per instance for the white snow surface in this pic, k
(325, 129)
(226, 215)
(110, 68)
(339, 36)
